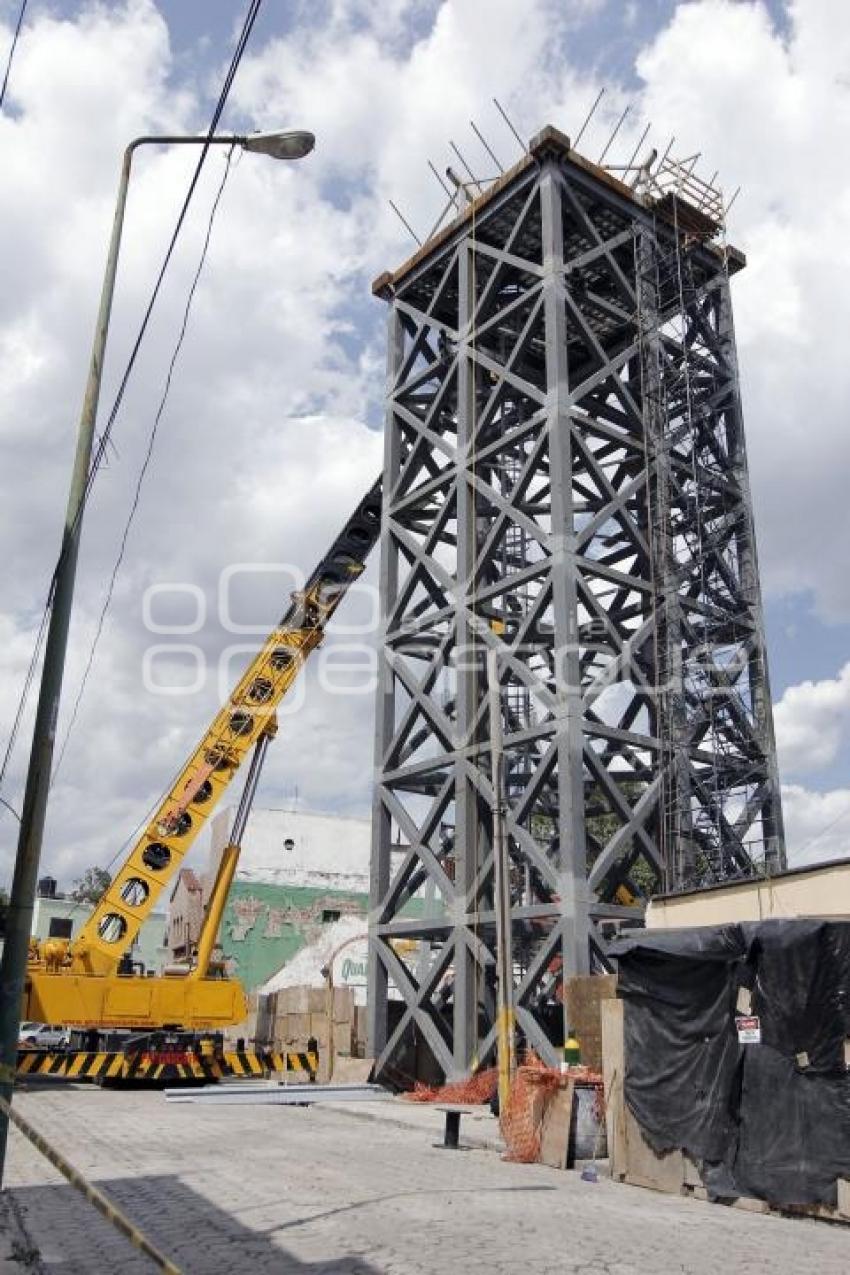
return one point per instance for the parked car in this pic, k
(43, 1036)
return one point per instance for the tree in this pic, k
(90, 886)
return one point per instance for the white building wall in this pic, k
(328, 851)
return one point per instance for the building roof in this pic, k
(548, 140)
(191, 881)
(735, 883)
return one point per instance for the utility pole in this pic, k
(505, 1048)
(19, 920)
(288, 145)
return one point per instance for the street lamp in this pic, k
(293, 144)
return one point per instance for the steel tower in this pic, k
(565, 482)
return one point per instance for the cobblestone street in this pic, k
(342, 1192)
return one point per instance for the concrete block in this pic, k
(352, 1071)
(751, 1205)
(343, 1003)
(293, 1026)
(293, 1000)
(318, 1000)
(319, 1029)
(343, 1039)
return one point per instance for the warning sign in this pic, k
(749, 1030)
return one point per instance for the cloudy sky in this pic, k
(272, 428)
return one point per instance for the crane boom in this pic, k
(245, 717)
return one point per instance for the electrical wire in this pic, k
(14, 45)
(28, 680)
(144, 468)
(827, 828)
(104, 440)
(11, 809)
(103, 443)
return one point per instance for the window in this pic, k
(329, 915)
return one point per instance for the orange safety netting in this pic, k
(521, 1122)
(478, 1088)
(533, 1089)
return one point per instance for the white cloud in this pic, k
(812, 724)
(817, 824)
(812, 721)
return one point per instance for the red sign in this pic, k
(749, 1030)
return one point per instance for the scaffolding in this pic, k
(565, 485)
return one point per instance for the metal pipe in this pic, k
(588, 118)
(278, 1095)
(229, 859)
(504, 116)
(641, 141)
(405, 222)
(481, 139)
(472, 176)
(505, 1049)
(617, 127)
(440, 180)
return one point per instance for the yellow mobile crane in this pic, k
(88, 982)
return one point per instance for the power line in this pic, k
(4, 802)
(104, 441)
(827, 828)
(28, 680)
(97, 459)
(12, 51)
(144, 468)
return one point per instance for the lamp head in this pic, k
(292, 144)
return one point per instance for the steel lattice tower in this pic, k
(565, 481)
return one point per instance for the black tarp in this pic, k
(768, 1119)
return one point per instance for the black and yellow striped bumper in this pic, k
(162, 1067)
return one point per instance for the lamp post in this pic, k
(292, 144)
(505, 1012)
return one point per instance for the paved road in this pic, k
(304, 1191)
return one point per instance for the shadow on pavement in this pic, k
(192, 1232)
